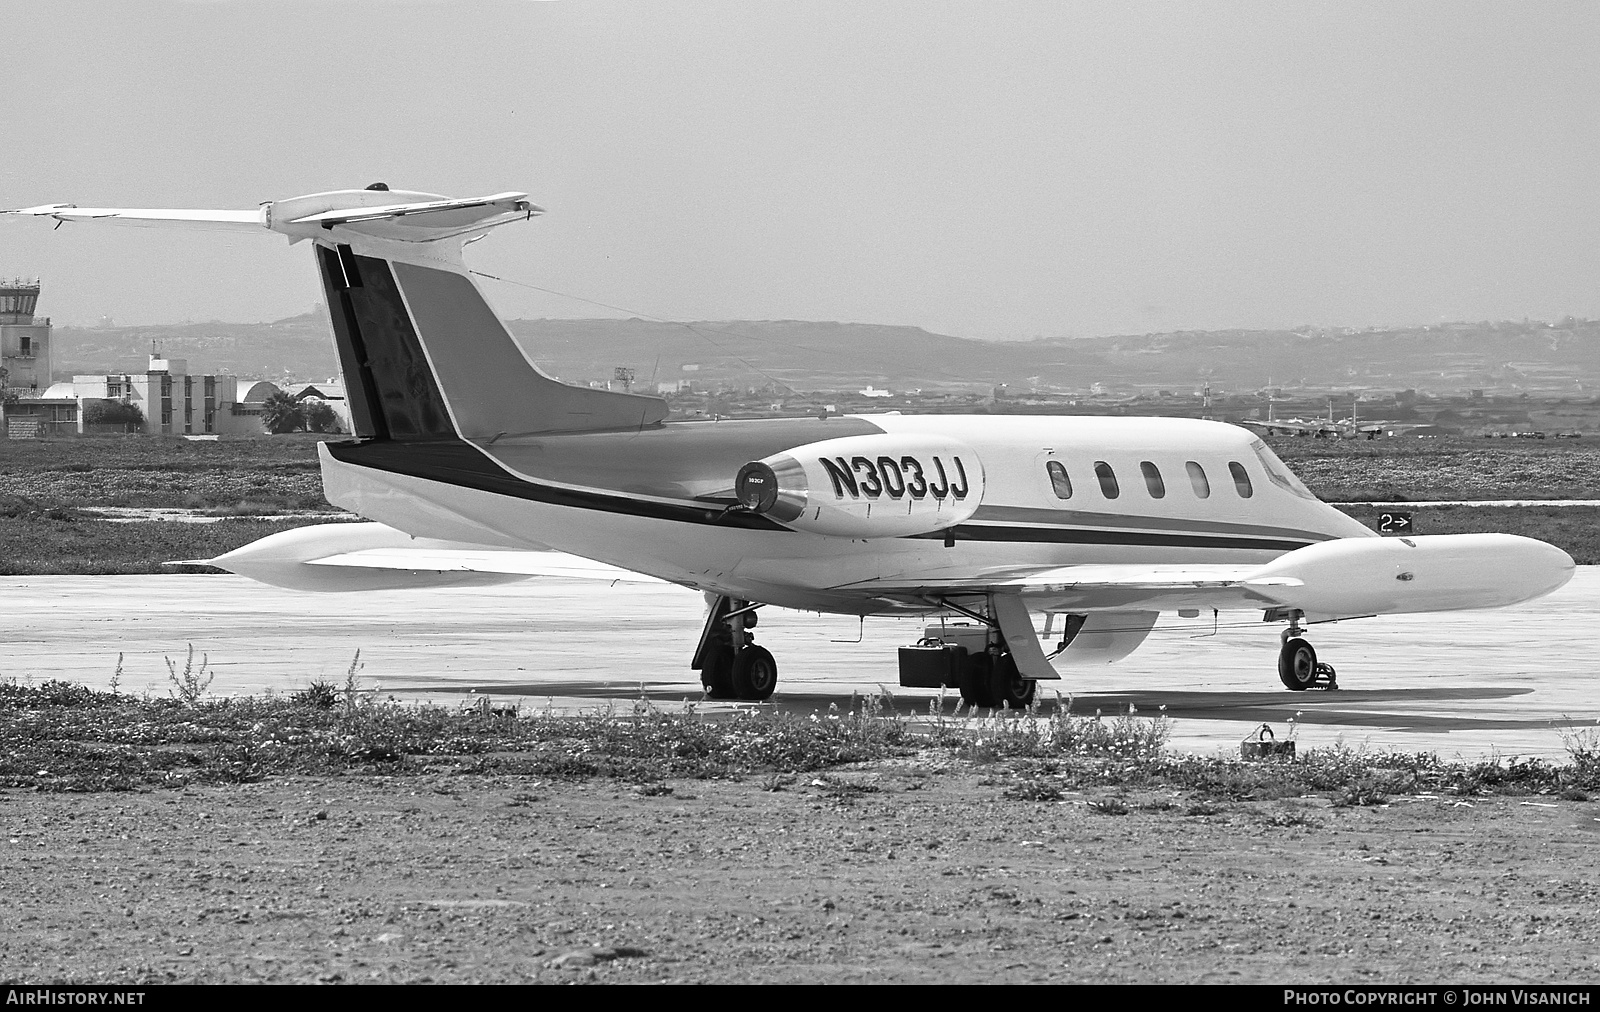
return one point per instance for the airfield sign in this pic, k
(1394, 522)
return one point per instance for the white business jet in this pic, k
(478, 467)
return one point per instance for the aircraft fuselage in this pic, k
(1056, 491)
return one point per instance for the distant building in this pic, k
(24, 338)
(26, 411)
(176, 403)
(249, 397)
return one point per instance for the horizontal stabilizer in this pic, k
(227, 221)
(385, 214)
(468, 213)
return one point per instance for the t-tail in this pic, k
(423, 355)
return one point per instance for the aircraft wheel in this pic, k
(1008, 688)
(976, 684)
(717, 675)
(1297, 664)
(754, 674)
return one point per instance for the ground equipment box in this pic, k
(944, 654)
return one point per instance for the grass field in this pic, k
(68, 544)
(1401, 469)
(255, 476)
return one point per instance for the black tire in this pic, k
(975, 683)
(716, 677)
(1008, 688)
(755, 674)
(1297, 665)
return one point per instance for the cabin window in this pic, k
(1152, 480)
(1198, 480)
(1108, 480)
(1241, 479)
(1058, 479)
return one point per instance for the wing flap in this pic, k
(1115, 587)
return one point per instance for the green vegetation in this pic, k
(110, 412)
(282, 413)
(60, 541)
(65, 737)
(1403, 469)
(271, 475)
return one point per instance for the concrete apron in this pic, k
(1466, 684)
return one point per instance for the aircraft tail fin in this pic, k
(423, 355)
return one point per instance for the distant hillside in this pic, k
(300, 347)
(1506, 357)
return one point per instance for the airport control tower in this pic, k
(24, 338)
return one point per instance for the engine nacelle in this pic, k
(881, 486)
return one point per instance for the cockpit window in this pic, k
(1152, 480)
(1278, 472)
(1058, 479)
(1198, 480)
(1241, 479)
(1108, 479)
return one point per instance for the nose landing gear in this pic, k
(1298, 667)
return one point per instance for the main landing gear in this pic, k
(971, 658)
(1298, 667)
(991, 679)
(730, 663)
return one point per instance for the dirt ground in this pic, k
(897, 873)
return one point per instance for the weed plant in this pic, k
(188, 686)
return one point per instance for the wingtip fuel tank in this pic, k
(1352, 577)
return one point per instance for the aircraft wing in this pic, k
(1328, 581)
(503, 562)
(1111, 587)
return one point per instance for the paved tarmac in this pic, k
(1465, 683)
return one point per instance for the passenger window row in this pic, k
(1153, 482)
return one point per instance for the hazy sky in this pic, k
(983, 169)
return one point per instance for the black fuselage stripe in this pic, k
(455, 462)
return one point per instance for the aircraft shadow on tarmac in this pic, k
(1386, 708)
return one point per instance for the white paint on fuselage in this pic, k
(813, 572)
(1014, 450)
